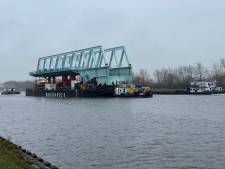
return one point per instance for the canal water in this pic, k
(112, 133)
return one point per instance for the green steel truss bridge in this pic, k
(106, 65)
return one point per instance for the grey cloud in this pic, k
(156, 33)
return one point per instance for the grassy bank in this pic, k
(10, 157)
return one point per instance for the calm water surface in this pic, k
(160, 132)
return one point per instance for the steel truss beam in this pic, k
(90, 62)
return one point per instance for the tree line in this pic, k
(170, 78)
(182, 76)
(19, 85)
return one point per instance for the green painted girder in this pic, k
(106, 65)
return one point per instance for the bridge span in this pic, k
(105, 65)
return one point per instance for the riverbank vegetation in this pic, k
(10, 157)
(164, 78)
(180, 77)
(19, 85)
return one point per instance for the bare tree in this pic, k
(222, 62)
(201, 71)
(19, 85)
(218, 73)
(142, 77)
(216, 69)
(158, 76)
(182, 76)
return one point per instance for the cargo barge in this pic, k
(90, 72)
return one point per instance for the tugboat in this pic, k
(132, 90)
(204, 87)
(10, 91)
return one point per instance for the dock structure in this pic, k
(106, 66)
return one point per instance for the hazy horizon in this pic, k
(156, 34)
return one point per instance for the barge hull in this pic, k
(71, 93)
(80, 93)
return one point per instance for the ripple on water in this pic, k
(162, 132)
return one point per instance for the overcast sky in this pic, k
(156, 33)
